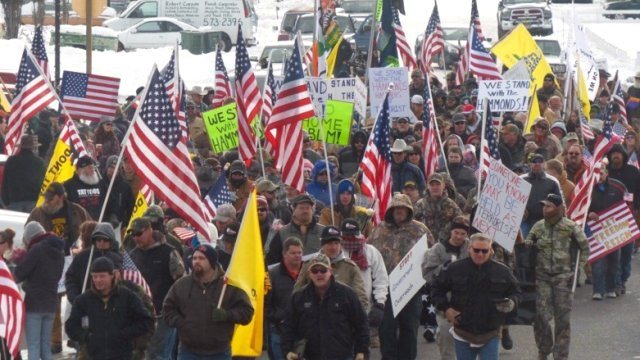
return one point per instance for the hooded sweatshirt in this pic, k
(318, 190)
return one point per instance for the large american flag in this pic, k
(618, 213)
(248, 99)
(222, 85)
(12, 311)
(269, 96)
(284, 129)
(39, 51)
(218, 194)
(376, 164)
(33, 94)
(161, 159)
(433, 42)
(88, 97)
(489, 146)
(70, 136)
(618, 97)
(430, 145)
(131, 273)
(176, 89)
(463, 63)
(481, 64)
(475, 19)
(404, 49)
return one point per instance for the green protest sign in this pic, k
(336, 123)
(222, 127)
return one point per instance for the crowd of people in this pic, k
(328, 289)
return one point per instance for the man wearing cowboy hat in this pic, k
(23, 175)
(197, 94)
(402, 170)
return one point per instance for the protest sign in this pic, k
(519, 71)
(504, 95)
(614, 229)
(588, 62)
(361, 98)
(222, 127)
(379, 81)
(318, 91)
(406, 278)
(501, 205)
(349, 89)
(336, 124)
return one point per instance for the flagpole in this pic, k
(437, 129)
(326, 159)
(264, 173)
(485, 109)
(374, 23)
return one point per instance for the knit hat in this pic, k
(31, 230)
(460, 223)
(102, 264)
(111, 161)
(103, 230)
(346, 186)
(209, 252)
(84, 161)
(330, 233)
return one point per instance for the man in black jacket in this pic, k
(121, 199)
(106, 318)
(541, 185)
(327, 317)
(475, 295)
(23, 175)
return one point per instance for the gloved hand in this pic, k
(505, 306)
(376, 314)
(219, 315)
(359, 356)
(292, 356)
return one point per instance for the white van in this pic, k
(219, 15)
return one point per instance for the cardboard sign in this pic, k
(222, 127)
(502, 202)
(504, 95)
(318, 90)
(615, 228)
(379, 81)
(336, 124)
(406, 278)
(361, 98)
(588, 62)
(519, 71)
(349, 89)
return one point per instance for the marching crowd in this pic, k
(329, 264)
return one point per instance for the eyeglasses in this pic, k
(320, 270)
(478, 251)
(262, 210)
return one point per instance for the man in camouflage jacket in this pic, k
(436, 210)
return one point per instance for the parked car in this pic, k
(553, 53)
(623, 9)
(289, 20)
(152, 33)
(535, 15)
(16, 221)
(306, 25)
(357, 9)
(279, 52)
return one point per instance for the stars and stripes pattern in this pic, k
(248, 99)
(430, 145)
(40, 52)
(609, 130)
(619, 128)
(131, 273)
(184, 233)
(284, 129)
(618, 213)
(269, 97)
(433, 42)
(161, 159)
(33, 94)
(222, 84)
(404, 49)
(618, 97)
(475, 19)
(89, 96)
(69, 135)
(481, 64)
(462, 65)
(218, 194)
(489, 146)
(633, 160)
(376, 164)
(12, 311)
(147, 193)
(176, 90)
(587, 133)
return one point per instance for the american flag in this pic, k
(633, 160)
(462, 65)
(481, 64)
(292, 106)
(404, 49)
(218, 194)
(184, 233)
(175, 89)
(131, 273)
(70, 136)
(248, 100)
(430, 145)
(88, 97)
(618, 97)
(433, 42)
(587, 133)
(161, 159)
(33, 94)
(489, 146)
(376, 164)
(12, 311)
(222, 87)
(475, 19)
(268, 100)
(39, 51)
(619, 214)
(609, 130)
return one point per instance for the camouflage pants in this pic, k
(553, 302)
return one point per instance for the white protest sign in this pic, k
(519, 71)
(351, 90)
(588, 63)
(318, 90)
(406, 278)
(504, 95)
(361, 98)
(379, 80)
(501, 205)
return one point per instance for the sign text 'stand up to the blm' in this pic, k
(406, 278)
(501, 205)
(504, 95)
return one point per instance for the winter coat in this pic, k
(356, 212)
(90, 197)
(463, 177)
(375, 277)
(318, 190)
(23, 176)
(401, 173)
(606, 195)
(74, 276)
(350, 158)
(41, 270)
(121, 199)
(439, 256)
(541, 186)
(310, 241)
(74, 215)
(627, 175)
(278, 298)
(189, 305)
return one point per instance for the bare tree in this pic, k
(38, 12)
(12, 13)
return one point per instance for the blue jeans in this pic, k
(162, 342)
(38, 328)
(275, 344)
(624, 267)
(184, 354)
(603, 273)
(489, 351)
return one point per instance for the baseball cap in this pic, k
(226, 212)
(302, 198)
(350, 227)
(458, 118)
(140, 224)
(330, 233)
(266, 186)
(55, 188)
(468, 108)
(436, 177)
(320, 259)
(417, 99)
(84, 161)
(552, 199)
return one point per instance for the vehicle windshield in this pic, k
(549, 47)
(514, 2)
(305, 24)
(455, 34)
(277, 54)
(358, 6)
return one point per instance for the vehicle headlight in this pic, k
(506, 13)
(547, 13)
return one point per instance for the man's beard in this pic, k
(50, 209)
(238, 182)
(198, 272)
(93, 179)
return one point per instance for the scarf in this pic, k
(355, 245)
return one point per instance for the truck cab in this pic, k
(535, 15)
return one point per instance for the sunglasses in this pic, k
(320, 270)
(478, 251)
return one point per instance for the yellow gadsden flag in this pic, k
(583, 94)
(5, 105)
(61, 167)
(142, 203)
(247, 272)
(520, 45)
(534, 112)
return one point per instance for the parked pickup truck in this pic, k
(535, 15)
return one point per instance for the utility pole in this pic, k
(89, 41)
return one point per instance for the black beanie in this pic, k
(102, 264)
(210, 253)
